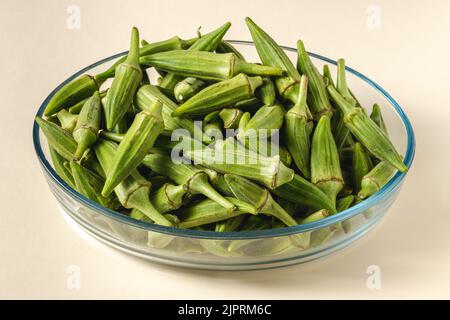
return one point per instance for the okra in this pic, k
(377, 117)
(271, 54)
(58, 138)
(375, 179)
(266, 92)
(361, 166)
(367, 132)
(318, 100)
(169, 197)
(303, 192)
(58, 164)
(133, 192)
(298, 126)
(138, 140)
(230, 117)
(226, 47)
(208, 211)
(67, 120)
(88, 125)
(207, 42)
(230, 157)
(196, 181)
(220, 94)
(187, 88)
(325, 166)
(72, 93)
(127, 78)
(259, 197)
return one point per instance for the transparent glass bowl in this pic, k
(237, 250)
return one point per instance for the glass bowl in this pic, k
(237, 250)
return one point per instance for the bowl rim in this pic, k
(385, 191)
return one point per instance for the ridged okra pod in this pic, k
(318, 101)
(85, 185)
(72, 93)
(206, 65)
(229, 225)
(208, 211)
(58, 138)
(375, 179)
(259, 197)
(58, 164)
(76, 108)
(168, 197)
(174, 43)
(187, 88)
(195, 180)
(133, 192)
(368, 132)
(227, 47)
(88, 125)
(361, 166)
(220, 94)
(303, 192)
(127, 78)
(207, 42)
(271, 54)
(377, 117)
(138, 140)
(267, 120)
(149, 93)
(266, 92)
(230, 117)
(67, 120)
(325, 166)
(298, 126)
(229, 156)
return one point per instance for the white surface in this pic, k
(408, 56)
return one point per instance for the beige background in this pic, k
(408, 56)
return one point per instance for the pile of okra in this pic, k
(301, 146)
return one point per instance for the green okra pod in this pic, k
(88, 125)
(127, 78)
(58, 138)
(76, 108)
(226, 47)
(327, 75)
(208, 211)
(377, 117)
(148, 93)
(298, 126)
(303, 192)
(139, 215)
(325, 166)
(368, 132)
(187, 88)
(228, 156)
(58, 164)
(272, 54)
(214, 129)
(343, 204)
(133, 192)
(361, 166)
(72, 93)
(267, 120)
(207, 42)
(266, 92)
(168, 197)
(206, 65)
(341, 83)
(229, 225)
(174, 43)
(318, 100)
(259, 197)
(375, 179)
(316, 216)
(218, 95)
(195, 180)
(138, 140)
(89, 184)
(67, 120)
(230, 117)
